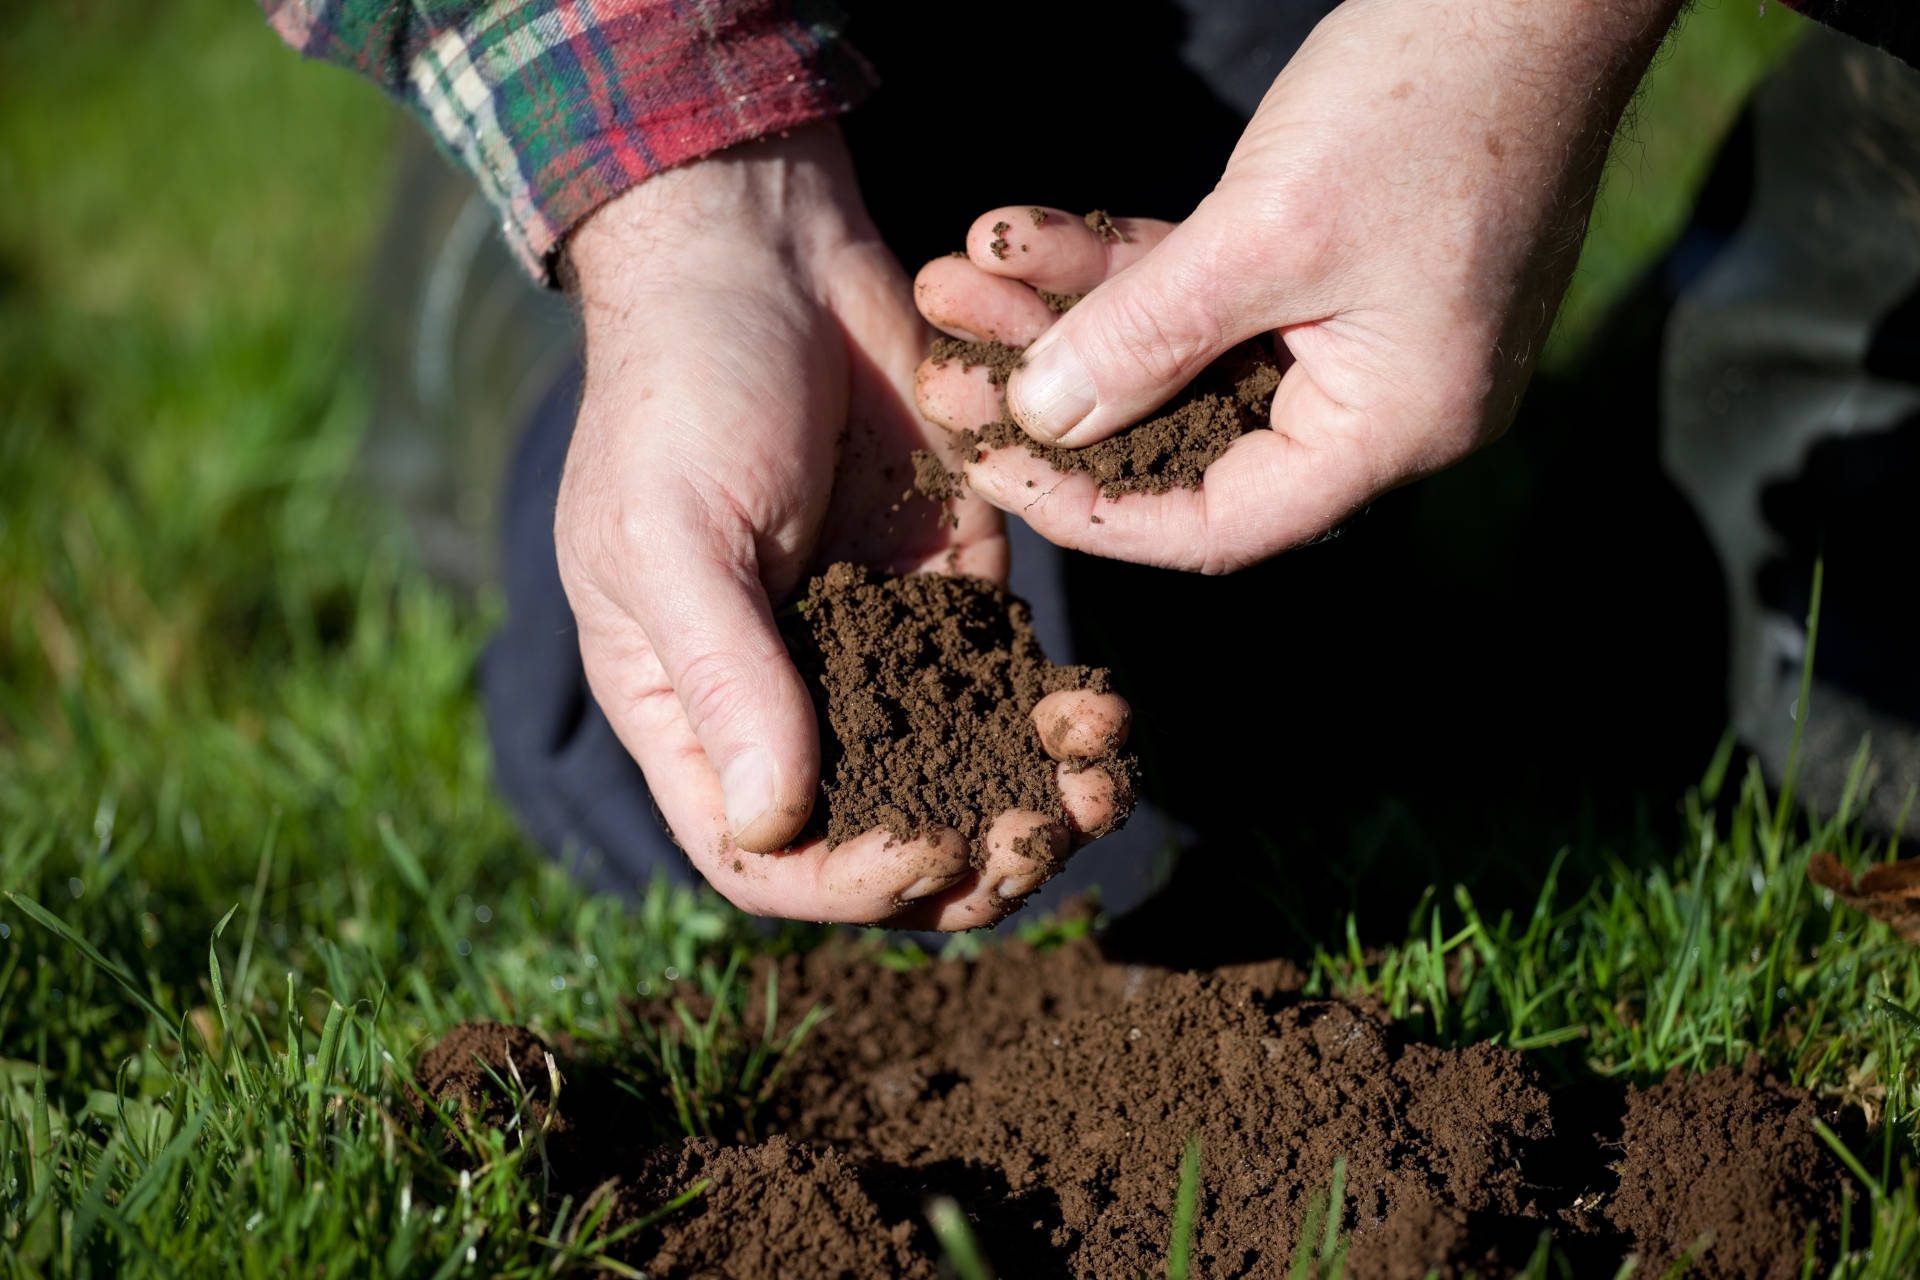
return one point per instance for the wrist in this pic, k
(1587, 42)
(792, 197)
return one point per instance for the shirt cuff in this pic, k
(558, 106)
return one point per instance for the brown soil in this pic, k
(931, 477)
(998, 245)
(1101, 224)
(1677, 1189)
(925, 685)
(777, 1208)
(1171, 450)
(455, 1074)
(999, 358)
(1051, 1095)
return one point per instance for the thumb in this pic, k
(1130, 344)
(711, 627)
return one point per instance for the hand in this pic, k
(1402, 215)
(746, 420)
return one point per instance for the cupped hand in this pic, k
(1401, 215)
(747, 419)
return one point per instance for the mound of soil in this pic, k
(777, 1208)
(1677, 1190)
(925, 686)
(1052, 1093)
(1171, 450)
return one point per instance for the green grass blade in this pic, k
(1845, 1153)
(1186, 1210)
(1783, 808)
(1336, 1209)
(60, 929)
(86, 1215)
(40, 1168)
(322, 1075)
(951, 1229)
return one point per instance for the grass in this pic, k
(251, 856)
(1186, 1208)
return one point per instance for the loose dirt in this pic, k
(925, 684)
(998, 245)
(1171, 450)
(1052, 1093)
(1101, 223)
(464, 1073)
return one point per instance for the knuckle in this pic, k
(1218, 562)
(581, 541)
(714, 689)
(1154, 336)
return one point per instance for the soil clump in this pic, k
(925, 685)
(1052, 1092)
(1170, 450)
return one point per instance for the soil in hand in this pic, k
(1052, 1093)
(1170, 450)
(925, 686)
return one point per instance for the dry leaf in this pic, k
(1889, 891)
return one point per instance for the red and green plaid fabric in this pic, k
(557, 106)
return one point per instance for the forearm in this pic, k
(558, 108)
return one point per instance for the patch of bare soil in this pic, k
(1052, 1093)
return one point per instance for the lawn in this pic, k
(252, 860)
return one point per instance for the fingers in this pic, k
(867, 879)
(1133, 342)
(863, 881)
(961, 300)
(1079, 724)
(1092, 799)
(710, 625)
(1024, 848)
(989, 294)
(1058, 252)
(956, 396)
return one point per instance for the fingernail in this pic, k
(1013, 887)
(748, 784)
(926, 885)
(1051, 392)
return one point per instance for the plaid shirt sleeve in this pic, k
(557, 106)
(1894, 25)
